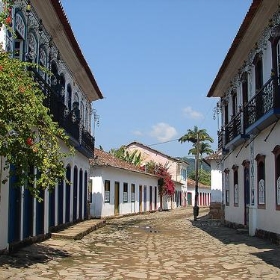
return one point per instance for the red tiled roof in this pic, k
(102, 158)
(215, 156)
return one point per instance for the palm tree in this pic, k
(204, 149)
(199, 138)
(134, 158)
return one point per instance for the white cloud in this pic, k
(163, 132)
(192, 114)
(137, 133)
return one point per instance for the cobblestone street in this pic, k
(162, 245)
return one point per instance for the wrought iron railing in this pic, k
(69, 120)
(260, 104)
(88, 141)
(220, 139)
(233, 128)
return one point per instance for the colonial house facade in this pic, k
(42, 35)
(120, 188)
(247, 85)
(176, 167)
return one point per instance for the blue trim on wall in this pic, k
(81, 194)
(40, 214)
(75, 193)
(51, 207)
(14, 219)
(67, 204)
(85, 195)
(28, 217)
(60, 202)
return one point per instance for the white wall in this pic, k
(100, 208)
(216, 182)
(267, 219)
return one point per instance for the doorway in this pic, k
(117, 199)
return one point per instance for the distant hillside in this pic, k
(191, 166)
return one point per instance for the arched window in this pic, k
(275, 43)
(62, 87)
(82, 114)
(32, 51)
(76, 97)
(244, 86)
(54, 71)
(69, 97)
(227, 191)
(246, 180)
(258, 72)
(261, 191)
(234, 103)
(20, 31)
(42, 61)
(86, 118)
(235, 185)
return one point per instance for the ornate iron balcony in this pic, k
(260, 112)
(69, 120)
(260, 104)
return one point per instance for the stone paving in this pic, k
(161, 245)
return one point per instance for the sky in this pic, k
(154, 62)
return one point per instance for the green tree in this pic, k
(197, 137)
(133, 157)
(28, 136)
(204, 177)
(204, 149)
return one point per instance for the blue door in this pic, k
(14, 210)
(51, 207)
(67, 203)
(246, 195)
(60, 202)
(40, 214)
(28, 218)
(145, 198)
(81, 194)
(85, 195)
(75, 193)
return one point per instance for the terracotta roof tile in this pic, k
(102, 158)
(214, 156)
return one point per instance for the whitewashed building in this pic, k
(43, 35)
(248, 87)
(204, 194)
(214, 161)
(176, 167)
(120, 188)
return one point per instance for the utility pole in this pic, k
(196, 207)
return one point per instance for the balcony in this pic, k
(260, 112)
(231, 135)
(263, 109)
(69, 120)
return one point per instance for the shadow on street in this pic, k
(270, 252)
(30, 255)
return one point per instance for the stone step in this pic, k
(79, 230)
